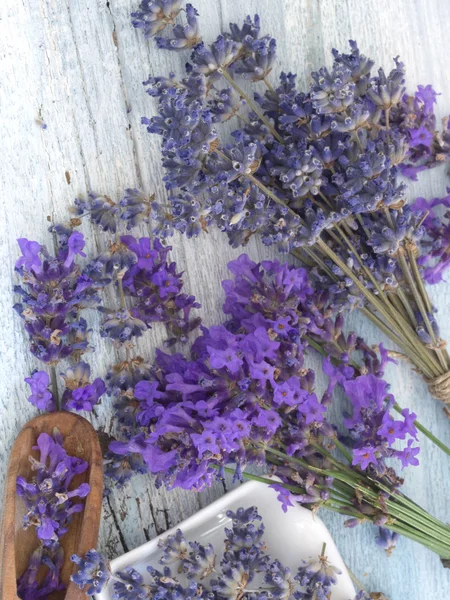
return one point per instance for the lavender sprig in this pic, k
(50, 506)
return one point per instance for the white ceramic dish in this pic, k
(291, 536)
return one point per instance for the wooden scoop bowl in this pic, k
(17, 544)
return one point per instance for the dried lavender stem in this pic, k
(424, 294)
(121, 292)
(409, 351)
(55, 387)
(407, 306)
(418, 299)
(268, 84)
(252, 105)
(394, 313)
(395, 301)
(406, 334)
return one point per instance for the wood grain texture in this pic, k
(18, 544)
(80, 64)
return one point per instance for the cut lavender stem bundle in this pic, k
(314, 173)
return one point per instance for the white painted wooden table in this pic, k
(80, 64)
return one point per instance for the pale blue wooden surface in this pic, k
(80, 63)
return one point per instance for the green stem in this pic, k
(344, 450)
(421, 521)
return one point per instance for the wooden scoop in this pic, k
(17, 544)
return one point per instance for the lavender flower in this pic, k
(244, 397)
(40, 397)
(387, 540)
(79, 394)
(50, 506)
(93, 571)
(55, 290)
(155, 15)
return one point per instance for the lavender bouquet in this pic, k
(245, 570)
(314, 172)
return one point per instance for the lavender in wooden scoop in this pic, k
(52, 507)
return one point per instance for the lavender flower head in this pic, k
(54, 291)
(50, 506)
(40, 397)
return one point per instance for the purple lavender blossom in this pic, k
(372, 429)
(30, 255)
(436, 258)
(93, 572)
(40, 397)
(54, 291)
(50, 506)
(79, 394)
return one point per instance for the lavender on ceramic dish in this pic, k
(311, 171)
(50, 505)
(241, 568)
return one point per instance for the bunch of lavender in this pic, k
(56, 289)
(50, 507)
(245, 570)
(140, 270)
(245, 398)
(314, 172)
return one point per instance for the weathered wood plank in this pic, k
(81, 64)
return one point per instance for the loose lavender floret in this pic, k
(79, 394)
(154, 15)
(50, 505)
(93, 571)
(317, 576)
(40, 397)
